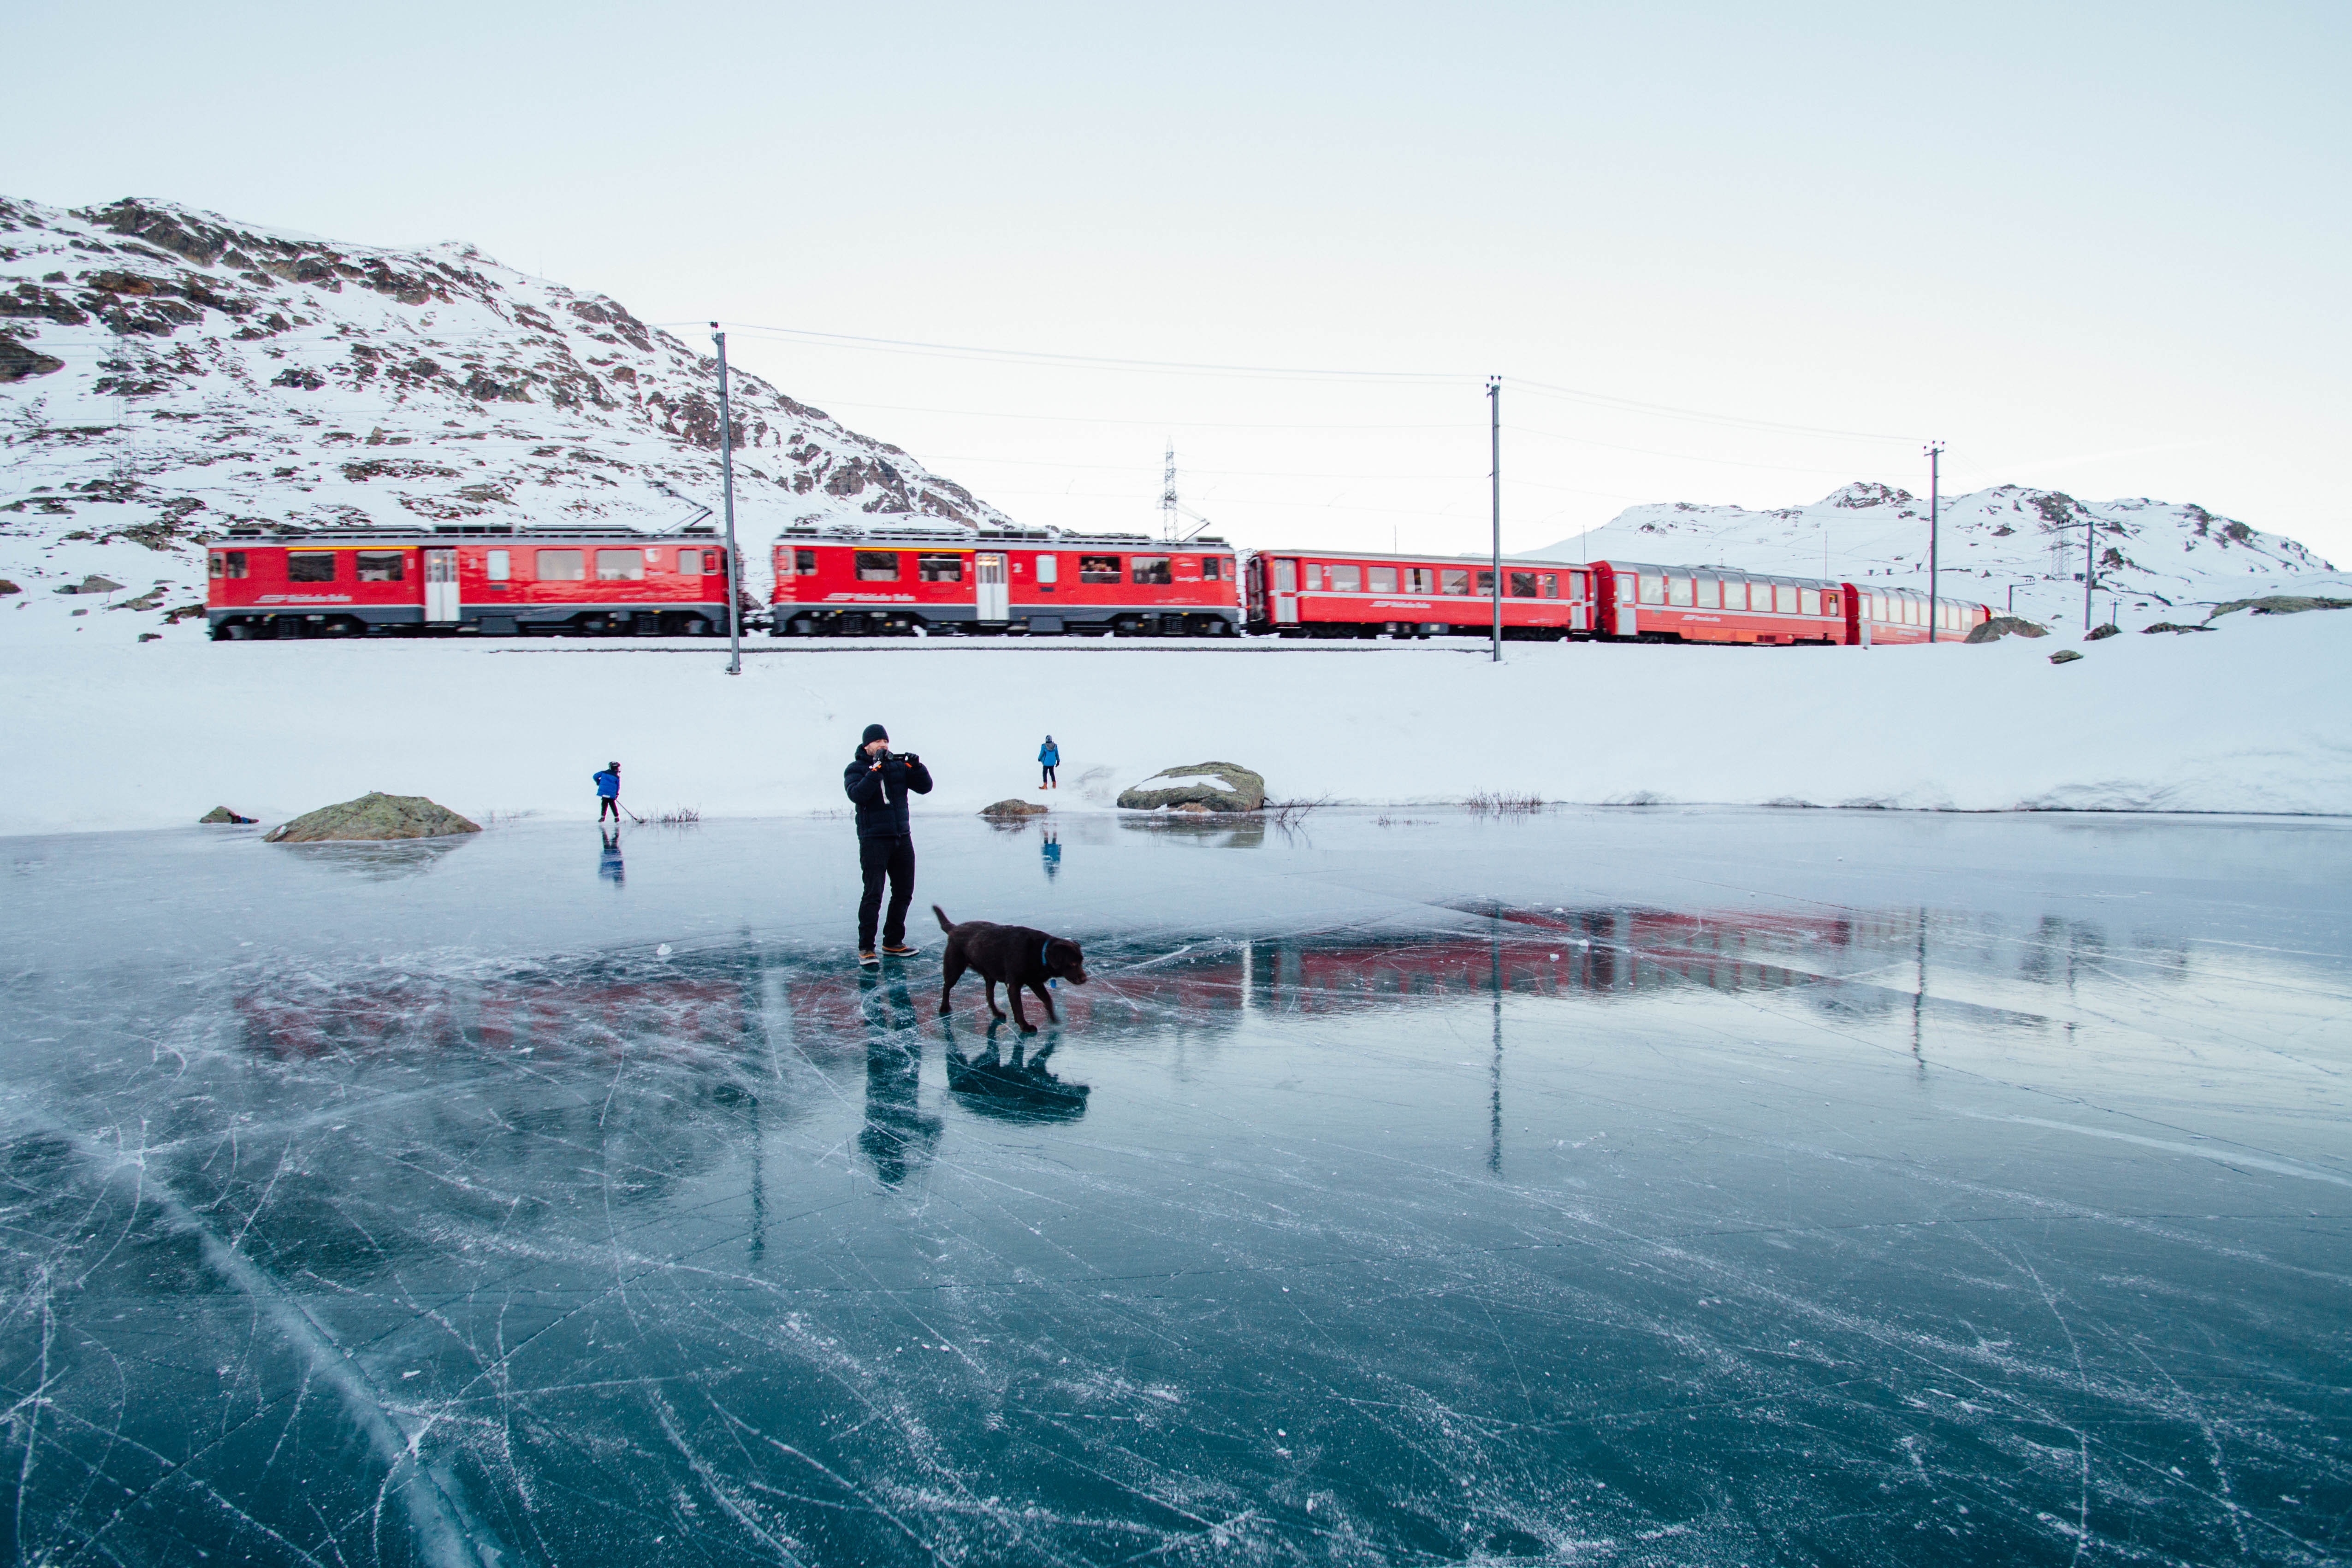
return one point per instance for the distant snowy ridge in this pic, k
(2155, 557)
(165, 373)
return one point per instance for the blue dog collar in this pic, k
(1043, 950)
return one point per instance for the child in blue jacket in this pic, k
(1049, 758)
(608, 791)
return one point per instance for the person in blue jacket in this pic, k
(879, 780)
(608, 791)
(1049, 758)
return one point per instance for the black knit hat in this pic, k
(874, 732)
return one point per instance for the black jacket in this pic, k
(881, 794)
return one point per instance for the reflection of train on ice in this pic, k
(891, 583)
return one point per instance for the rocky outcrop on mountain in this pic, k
(2151, 556)
(166, 373)
(2001, 626)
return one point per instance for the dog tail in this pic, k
(945, 924)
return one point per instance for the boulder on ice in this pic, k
(373, 816)
(222, 814)
(1012, 808)
(1212, 786)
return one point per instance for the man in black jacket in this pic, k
(879, 780)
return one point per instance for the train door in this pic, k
(1580, 600)
(1286, 592)
(995, 596)
(441, 586)
(1628, 617)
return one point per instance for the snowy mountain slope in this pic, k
(166, 373)
(2156, 558)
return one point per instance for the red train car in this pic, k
(1900, 615)
(1324, 593)
(337, 582)
(1647, 603)
(896, 582)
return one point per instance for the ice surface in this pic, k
(1629, 1187)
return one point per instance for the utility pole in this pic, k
(1168, 496)
(2090, 564)
(1494, 441)
(727, 486)
(1935, 450)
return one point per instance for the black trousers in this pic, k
(877, 858)
(1049, 774)
(611, 808)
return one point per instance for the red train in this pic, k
(1318, 594)
(342, 581)
(339, 583)
(896, 582)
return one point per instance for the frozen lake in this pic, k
(1606, 1186)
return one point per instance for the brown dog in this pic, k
(1013, 955)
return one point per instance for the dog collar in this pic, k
(1043, 948)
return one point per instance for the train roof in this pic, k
(454, 532)
(916, 538)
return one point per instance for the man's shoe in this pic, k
(867, 959)
(898, 949)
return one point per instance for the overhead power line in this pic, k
(1090, 361)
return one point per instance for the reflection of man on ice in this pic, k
(608, 863)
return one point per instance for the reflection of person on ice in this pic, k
(1049, 758)
(879, 780)
(608, 792)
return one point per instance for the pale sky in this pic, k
(2093, 247)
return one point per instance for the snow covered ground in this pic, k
(110, 734)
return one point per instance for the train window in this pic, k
(1832, 605)
(1678, 591)
(1735, 596)
(1911, 613)
(228, 563)
(940, 568)
(561, 565)
(689, 561)
(1455, 582)
(1784, 598)
(1624, 590)
(380, 565)
(309, 566)
(1286, 576)
(1213, 567)
(620, 565)
(1710, 594)
(783, 560)
(495, 565)
(1049, 568)
(1380, 578)
(1486, 585)
(1420, 580)
(877, 565)
(1346, 579)
(1149, 569)
(1654, 590)
(1523, 585)
(805, 563)
(1809, 601)
(1577, 586)
(1098, 568)
(1551, 585)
